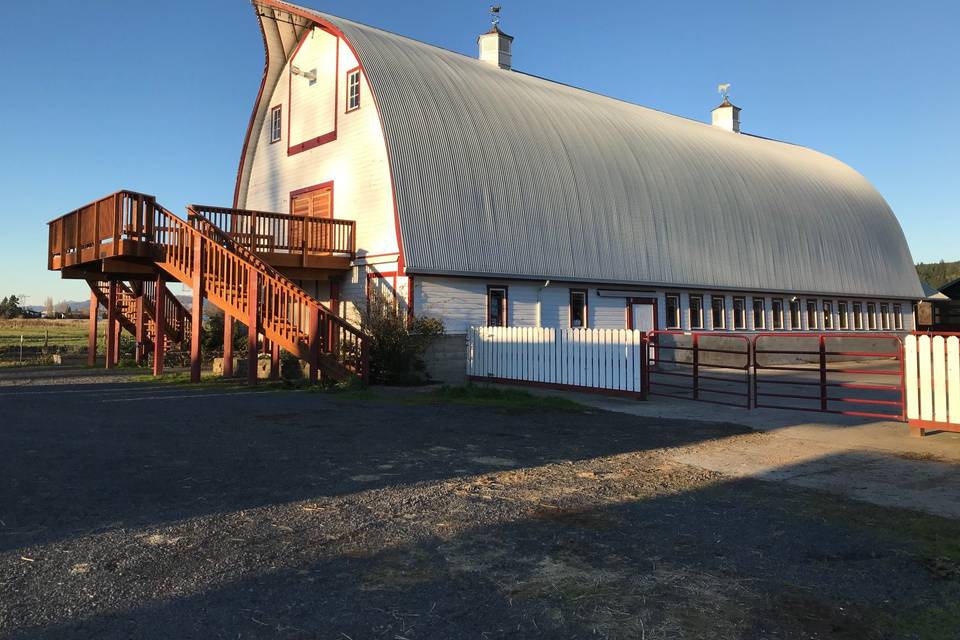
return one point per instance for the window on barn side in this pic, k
(353, 89)
(857, 316)
(778, 313)
(871, 315)
(842, 315)
(827, 314)
(760, 313)
(673, 311)
(496, 306)
(696, 312)
(884, 316)
(276, 124)
(718, 308)
(795, 323)
(739, 313)
(812, 314)
(897, 317)
(578, 308)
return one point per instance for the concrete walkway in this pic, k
(868, 460)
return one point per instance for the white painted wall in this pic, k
(356, 161)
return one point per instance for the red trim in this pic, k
(326, 137)
(298, 11)
(346, 84)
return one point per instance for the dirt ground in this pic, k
(159, 511)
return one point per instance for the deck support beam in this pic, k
(159, 343)
(141, 324)
(274, 360)
(92, 338)
(113, 326)
(197, 309)
(227, 345)
(253, 297)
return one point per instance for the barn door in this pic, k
(314, 204)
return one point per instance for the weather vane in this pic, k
(495, 15)
(723, 89)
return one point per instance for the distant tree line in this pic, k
(10, 308)
(937, 274)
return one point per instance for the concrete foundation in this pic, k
(446, 359)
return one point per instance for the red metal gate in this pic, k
(848, 374)
(709, 367)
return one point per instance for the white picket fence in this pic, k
(607, 359)
(932, 378)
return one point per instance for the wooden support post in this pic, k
(159, 351)
(113, 333)
(197, 308)
(141, 350)
(314, 334)
(253, 326)
(92, 338)
(274, 360)
(227, 345)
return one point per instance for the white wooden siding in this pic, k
(356, 161)
(608, 359)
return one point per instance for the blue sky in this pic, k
(155, 96)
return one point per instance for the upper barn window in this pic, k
(276, 124)
(795, 315)
(739, 313)
(759, 313)
(842, 315)
(696, 312)
(777, 313)
(827, 314)
(857, 316)
(897, 316)
(871, 315)
(353, 89)
(718, 306)
(812, 314)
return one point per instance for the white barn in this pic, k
(486, 196)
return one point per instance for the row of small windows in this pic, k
(848, 315)
(353, 103)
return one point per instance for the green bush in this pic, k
(397, 342)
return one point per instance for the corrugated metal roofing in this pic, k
(498, 172)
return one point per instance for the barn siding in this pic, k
(356, 161)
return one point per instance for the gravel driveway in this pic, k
(158, 511)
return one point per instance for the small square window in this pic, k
(276, 124)
(739, 313)
(778, 313)
(827, 314)
(673, 311)
(496, 306)
(353, 89)
(578, 308)
(696, 312)
(718, 307)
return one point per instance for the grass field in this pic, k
(55, 336)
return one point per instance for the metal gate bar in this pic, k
(693, 368)
(823, 371)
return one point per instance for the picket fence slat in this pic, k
(932, 378)
(584, 358)
(953, 378)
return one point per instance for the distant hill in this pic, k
(937, 274)
(81, 306)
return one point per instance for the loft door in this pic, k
(312, 205)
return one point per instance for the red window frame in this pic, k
(357, 71)
(504, 309)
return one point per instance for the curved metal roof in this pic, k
(501, 173)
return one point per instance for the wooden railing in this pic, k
(267, 232)
(99, 229)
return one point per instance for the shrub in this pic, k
(397, 342)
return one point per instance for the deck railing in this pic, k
(269, 232)
(98, 230)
